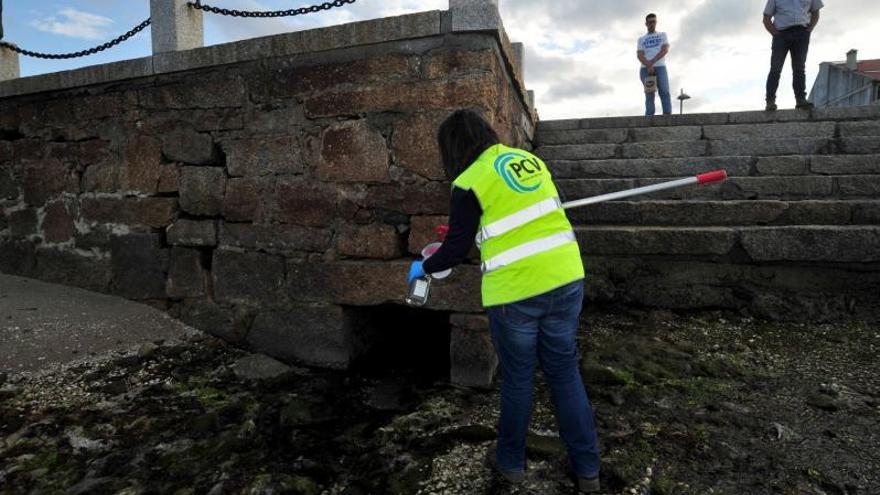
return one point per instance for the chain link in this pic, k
(276, 13)
(91, 51)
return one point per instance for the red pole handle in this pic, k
(715, 176)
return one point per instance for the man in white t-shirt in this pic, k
(652, 50)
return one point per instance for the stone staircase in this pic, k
(793, 233)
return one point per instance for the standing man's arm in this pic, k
(663, 51)
(769, 11)
(768, 25)
(640, 52)
(814, 19)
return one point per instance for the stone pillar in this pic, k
(474, 15)
(175, 26)
(317, 335)
(519, 58)
(472, 358)
(9, 68)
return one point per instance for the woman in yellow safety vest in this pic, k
(532, 285)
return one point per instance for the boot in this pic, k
(803, 105)
(511, 477)
(588, 485)
(771, 105)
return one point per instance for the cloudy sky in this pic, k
(580, 54)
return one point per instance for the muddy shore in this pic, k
(685, 404)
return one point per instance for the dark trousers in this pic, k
(797, 41)
(542, 330)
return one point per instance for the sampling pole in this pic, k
(706, 178)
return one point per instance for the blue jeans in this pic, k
(795, 40)
(662, 88)
(542, 329)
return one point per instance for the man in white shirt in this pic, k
(652, 50)
(790, 22)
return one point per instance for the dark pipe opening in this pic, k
(394, 340)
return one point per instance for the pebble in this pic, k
(146, 351)
(259, 367)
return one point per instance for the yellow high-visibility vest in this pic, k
(527, 245)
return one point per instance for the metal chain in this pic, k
(91, 51)
(276, 13)
(196, 5)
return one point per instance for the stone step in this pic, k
(778, 130)
(618, 168)
(713, 148)
(781, 290)
(727, 132)
(616, 136)
(727, 213)
(703, 119)
(845, 164)
(809, 243)
(734, 165)
(736, 188)
(666, 241)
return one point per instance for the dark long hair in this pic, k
(462, 137)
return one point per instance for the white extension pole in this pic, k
(715, 176)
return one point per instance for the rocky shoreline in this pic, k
(686, 404)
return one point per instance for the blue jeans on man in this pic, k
(662, 88)
(795, 40)
(542, 330)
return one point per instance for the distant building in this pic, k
(847, 84)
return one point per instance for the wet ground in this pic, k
(685, 404)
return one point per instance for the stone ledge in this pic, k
(95, 74)
(418, 25)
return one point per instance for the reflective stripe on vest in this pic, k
(527, 249)
(518, 219)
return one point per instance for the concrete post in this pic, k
(9, 67)
(474, 15)
(175, 26)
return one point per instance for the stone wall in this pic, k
(261, 190)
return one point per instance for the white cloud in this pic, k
(74, 23)
(576, 88)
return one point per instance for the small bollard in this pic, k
(175, 26)
(9, 66)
